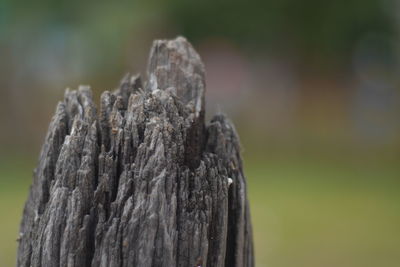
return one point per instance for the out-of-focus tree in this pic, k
(325, 30)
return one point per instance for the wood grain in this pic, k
(143, 181)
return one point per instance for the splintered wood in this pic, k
(144, 181)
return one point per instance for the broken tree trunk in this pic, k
(144, 182)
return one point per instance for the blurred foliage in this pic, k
(324, 28)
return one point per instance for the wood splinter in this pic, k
(144, 181)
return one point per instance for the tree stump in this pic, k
(143, 182)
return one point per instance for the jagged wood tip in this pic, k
(142, 182)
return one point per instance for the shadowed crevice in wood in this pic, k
(145, 182)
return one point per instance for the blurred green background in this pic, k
(312, 86)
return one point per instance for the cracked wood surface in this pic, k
(142, 182)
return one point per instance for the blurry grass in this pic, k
(316, 213)
(15, 179)
(306, 211)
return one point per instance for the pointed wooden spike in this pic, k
(175, 63)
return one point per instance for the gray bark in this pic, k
(143, 182)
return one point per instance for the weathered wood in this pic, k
(143, 183)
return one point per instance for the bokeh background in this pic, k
(312, 86)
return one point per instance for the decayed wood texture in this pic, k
(143, 182)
